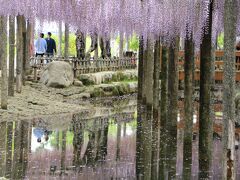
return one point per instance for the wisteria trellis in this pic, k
(149, 18)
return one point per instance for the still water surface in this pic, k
(100, 147)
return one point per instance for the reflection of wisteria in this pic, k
(99, 148)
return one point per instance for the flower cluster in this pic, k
(147, 18)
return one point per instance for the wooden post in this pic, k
(230, 25)
(24, 35)
(66, 48)
(206, 86)
(3, 59)
(60, 39)
(11, 55)
(19, 54)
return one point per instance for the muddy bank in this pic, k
(37, 100)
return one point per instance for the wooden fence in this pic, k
(92, 66)
(218, 66)
(87, 65)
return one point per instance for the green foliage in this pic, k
(220, 41)
(53, 138)
(72, 47)
(134, 43)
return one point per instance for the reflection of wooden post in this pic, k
(125, 129)
(20, 156)
(63, 152)
(17, 159)
(57, 140)
(2, 148)
(77, 141)
(119, 128)
(9, 150)
(102, 141)
(25, 147)
(29, 137)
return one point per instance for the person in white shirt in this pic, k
(40, 45)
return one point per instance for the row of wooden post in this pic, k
(21, 41)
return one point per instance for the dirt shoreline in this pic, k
(38, 100)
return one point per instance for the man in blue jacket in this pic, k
(51, 45)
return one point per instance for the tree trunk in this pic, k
(66, 48)
(102, 47)
(9, 150)
(230, 23)
(11, 55)
(205, 120)
(121, 46)
(144, 87)
(140, 70)
(96, 50)
(80, 44)
(188, 107)
(108, 48)
(19, 54)
(172, 114)
(163, 113)
(3, 59)
(155, 123)
(60, 39)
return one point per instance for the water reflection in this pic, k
(118, 146)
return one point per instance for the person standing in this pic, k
(40, 45)
(51, 45)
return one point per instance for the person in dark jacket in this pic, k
(51, 45)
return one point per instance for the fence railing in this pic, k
(218, 66)
(87, 65)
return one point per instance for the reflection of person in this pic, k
(238, 46)
(40, 45)
(39, 133)
(51, 45)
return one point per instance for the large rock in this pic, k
(57, 74)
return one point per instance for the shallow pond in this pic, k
(100, 147)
